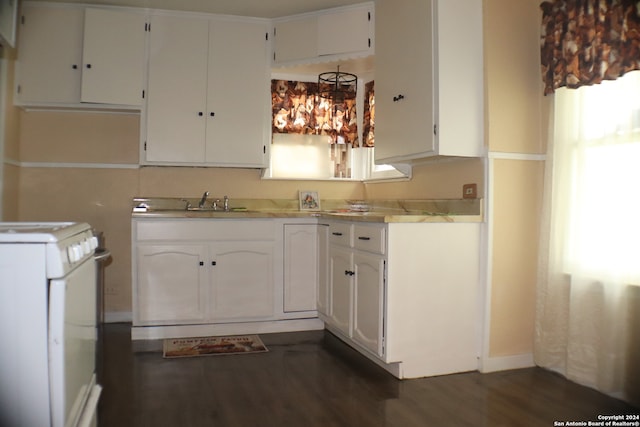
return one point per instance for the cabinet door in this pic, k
(323, 270)
(49, 55)
(368, 301)
(300, 267)
(341, 279)
(113, 57)
(296, 39)
(171, 285)
(238, 94)
(333, 26)
(177, 82)
(242, 281)
(404, 69)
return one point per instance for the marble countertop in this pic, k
(394, 211)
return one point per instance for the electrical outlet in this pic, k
(470, 191)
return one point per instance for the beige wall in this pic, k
(440, 180)
(515, 221)
(10, 172)
(516, 113)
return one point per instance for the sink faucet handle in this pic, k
(226, 203)
(203, 200)
(215, 204)
(187, 204)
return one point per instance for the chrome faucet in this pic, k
(203, 200)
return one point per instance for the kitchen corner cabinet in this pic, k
(208, 92)
(70, 56)
(195, 272)
(405, 295)
(429, 79)
(312, 36)
(356, 283)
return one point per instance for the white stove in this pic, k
(67, 243)
(48, 330)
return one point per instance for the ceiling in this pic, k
(256, 8)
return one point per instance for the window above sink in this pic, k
(313, 138)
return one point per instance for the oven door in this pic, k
(72, 346)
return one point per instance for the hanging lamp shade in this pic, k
(337, 86)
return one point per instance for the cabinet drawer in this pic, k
(341, 234)
(369, 238)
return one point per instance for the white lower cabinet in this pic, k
(356, 283)
(301, 259)
(368, 301)
(194, 277)
(241, 281)
(195, 283)
(406, 294)
(199, 271)
(323, 291)
(341, 286)
(171, 285)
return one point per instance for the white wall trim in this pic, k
(517, 156)
(240, 328)
(118, 317)
(505, 363)
(488, 273)
(76, 165)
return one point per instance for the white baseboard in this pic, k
(505, 363)
(118, 317)
(264, 327)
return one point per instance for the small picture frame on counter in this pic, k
(309, 200)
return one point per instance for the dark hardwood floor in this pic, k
(313, 379)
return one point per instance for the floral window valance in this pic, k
(369, 120)
(587, 41)
(298, 109)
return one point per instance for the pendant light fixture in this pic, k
(337, 86)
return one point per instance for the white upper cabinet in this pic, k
(113, 57)
(70, 56)
(238, 94)
(177, 89)
(208, 92)
(345, 31)
(296, 39)
(49, 63)
(429, 79)
(325, 35)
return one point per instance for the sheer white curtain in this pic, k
(588, 312)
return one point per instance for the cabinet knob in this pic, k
(200, 113)
(336, 234)
(364, 238)
(397, 98)
(349, 273)
(212, 114)
(213, 263)
(88, 65)
(74, 66)
(201, 263)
